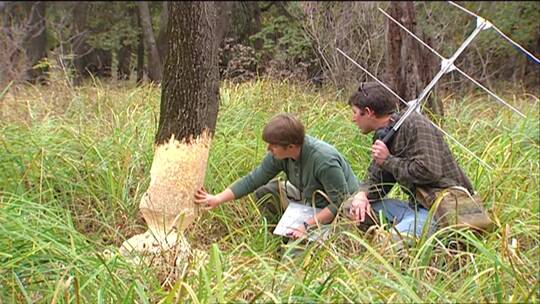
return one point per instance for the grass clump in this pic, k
(75, 163)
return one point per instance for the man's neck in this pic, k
(381, 122)
(296, 153)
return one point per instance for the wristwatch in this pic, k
(306, 225)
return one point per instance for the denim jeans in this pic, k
(407, 220)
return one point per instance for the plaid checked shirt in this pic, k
(418, 156)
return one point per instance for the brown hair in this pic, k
(284, 129)
(375, 97)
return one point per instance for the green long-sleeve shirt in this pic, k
(320, 167)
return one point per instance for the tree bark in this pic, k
(409, 68)
(154, 66)
(80, 48)
(190, 87)
(140, 52)
(223, 19)
(124, 60)
(393, 73)
(254, 23)
(162, 35)
(188, 113)
(35, 42)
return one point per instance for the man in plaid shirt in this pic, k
(417, 155)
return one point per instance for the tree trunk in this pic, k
(140, 52)
(255, 23)
(35, 42)
(428, 67)
(162, 35)
(421, 64)
(410, 55)
(223, 19)
(124, 60)
(409, 66)
(190, 88)
(393, 51)
(188, 113)
(80, 48)
(154, 66)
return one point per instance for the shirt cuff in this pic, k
(333, 208)
(238, 189)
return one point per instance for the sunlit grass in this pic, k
(74, 164)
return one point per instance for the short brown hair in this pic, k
(284, 129)
(375, 97)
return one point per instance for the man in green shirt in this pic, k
(309, 164)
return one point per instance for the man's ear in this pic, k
(368, 111)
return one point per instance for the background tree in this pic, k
(188, 113)
(35, 42)
(140, 51)
(23, 41)
(282, 40)
(161, 40)
(409, 66)
(155, 69)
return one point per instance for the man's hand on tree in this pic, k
(205, 200)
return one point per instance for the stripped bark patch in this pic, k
(168, 205)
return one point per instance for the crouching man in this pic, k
(417, 158)
(314, 171)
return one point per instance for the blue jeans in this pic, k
(407, 220)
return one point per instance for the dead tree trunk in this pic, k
(409, 67)
(188, 113)
(80, 48)
(393, 52)
(154, 66)
(35, 42)
(124, 61)
(162, 34)
(140, 52)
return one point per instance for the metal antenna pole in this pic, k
(498, 31)
(409, 104)
(445, 67)
(500, 100)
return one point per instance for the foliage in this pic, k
(283, 39)
(490, 56)
(74, 164)
(299, 39)
(107, 24)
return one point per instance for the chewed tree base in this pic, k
(166, 254)
(167, 206)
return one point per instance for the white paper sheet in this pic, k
(294, 216)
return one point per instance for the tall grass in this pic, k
(74, 164)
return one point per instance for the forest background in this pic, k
(281, 40)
